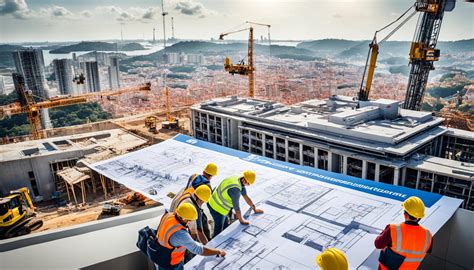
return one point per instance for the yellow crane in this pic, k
(242, 68)
(370, 65)
(171, 122)
(32, 108)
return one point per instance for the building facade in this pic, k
(377, 141)
(91, 72)
(114, 73)
(64, 72)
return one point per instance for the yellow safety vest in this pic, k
(220, 200)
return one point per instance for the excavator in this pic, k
(17, 214)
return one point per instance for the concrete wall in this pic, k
(14, 174)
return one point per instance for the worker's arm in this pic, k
(252, 205)
(202, 237)
(183, 238)
(234, 194)
(212, 251)
(384, 239)
(200, 229)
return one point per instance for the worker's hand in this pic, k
(244, 222)
(258, 211)
(221, 253)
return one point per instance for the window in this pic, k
(34, 184)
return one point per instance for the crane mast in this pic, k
(251, 67)
(423, 52)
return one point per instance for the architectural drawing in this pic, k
(303, 216)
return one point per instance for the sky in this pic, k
(77, 20)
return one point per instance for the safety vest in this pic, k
(411, 242)
(169, 255)
(220, 200)
(182, 197)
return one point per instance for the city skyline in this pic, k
(56, 21)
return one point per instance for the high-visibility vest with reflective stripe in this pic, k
(220, 200)
(410, 241)
(169, 255)
(181, 196)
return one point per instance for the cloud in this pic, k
(191, 8)
(57, 11)
(129, 15)
(16, 8)
(86, 13)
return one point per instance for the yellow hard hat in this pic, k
(211, 169)
(203, 192)
(414, 206)
(187, 211)
(332, 259)
(250, 176)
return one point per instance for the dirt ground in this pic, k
(63, 217)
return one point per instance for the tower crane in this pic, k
(171, 122)
(370, 64)
(32, 109)
(242, 68)
(423, 52)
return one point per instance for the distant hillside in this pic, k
(389, 50)
(224, 49)
(6, 58)
(327, 46)
(98, 46)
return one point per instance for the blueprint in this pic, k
(306, 210)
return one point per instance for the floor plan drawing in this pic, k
(303, 213)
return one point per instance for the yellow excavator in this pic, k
(17, 214)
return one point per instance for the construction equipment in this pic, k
(111, 209)
(370, 64)
(423, 52)
(33, 108)
(150, 123)
(163, 14)
(242, 68)
(17, 214)
(171, 122)
(136, 199)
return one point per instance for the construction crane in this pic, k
(423, 52)
(371, 62)
(32, 109)
(242, 68)
(163, 14)
(171, 122)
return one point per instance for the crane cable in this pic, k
(391, 33)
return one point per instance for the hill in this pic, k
(327, 46)
(6, 58)
(98, 46)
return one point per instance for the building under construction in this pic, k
(374, 140)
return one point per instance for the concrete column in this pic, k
(263, 144)
(418, 175)
(404, 175)
(344, 165)
(286, 149)
(364, 169)
(240, 138)
(208, 128)
(250, 141)
(274, 147)
(222, 132)
(301, 154)
(330, 161)
(377, 172)
(316, 152)
(396, 176)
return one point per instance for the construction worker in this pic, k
(196, 180)
(405, 245)
(197, 198)
(174, 239)
(332, 259)
(227, 195)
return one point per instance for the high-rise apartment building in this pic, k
(30, 64)
(63, 70)
(91, 72)
(114, 73)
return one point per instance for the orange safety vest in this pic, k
(411, 242)
(169, 255)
